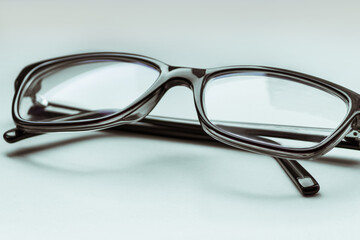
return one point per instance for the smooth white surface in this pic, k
(101, 186)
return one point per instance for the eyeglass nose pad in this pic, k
(142, 109)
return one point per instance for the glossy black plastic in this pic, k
(195, 79)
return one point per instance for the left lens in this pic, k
(78, 90)
(273, 108)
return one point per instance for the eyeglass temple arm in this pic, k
(171, 127)
(190, 128)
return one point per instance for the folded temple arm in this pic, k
(184, 128)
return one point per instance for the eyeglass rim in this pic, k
(351, 98)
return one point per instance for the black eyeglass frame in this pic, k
(196, 79)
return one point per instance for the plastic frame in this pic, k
(195, 79)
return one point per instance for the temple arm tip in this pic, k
(15, 135)
(305, 183)
(308, 186)
(10, 136)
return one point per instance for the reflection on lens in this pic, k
(275, 109)
(84, 90)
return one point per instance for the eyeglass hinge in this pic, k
(354, 134)
(356, 123)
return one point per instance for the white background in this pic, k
(101, 186)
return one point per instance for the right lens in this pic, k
(81, 90)
(274, 108)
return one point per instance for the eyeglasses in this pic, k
(277, 112)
